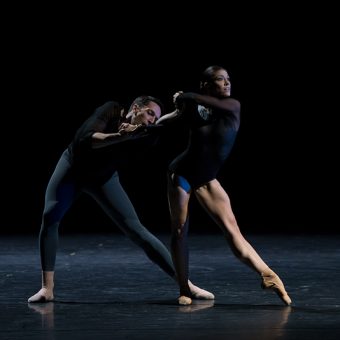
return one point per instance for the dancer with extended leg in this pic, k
(90, 164)
(214, 119)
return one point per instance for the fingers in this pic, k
(126, 127)
(176, 95)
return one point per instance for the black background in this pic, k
(60, 65)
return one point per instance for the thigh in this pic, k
(178, 198)
(216, 202)
(61, 189)
(113, 199)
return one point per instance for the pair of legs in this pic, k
(215, 201)
(61, 192)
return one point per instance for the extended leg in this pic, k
(216, 202)
(115, 202)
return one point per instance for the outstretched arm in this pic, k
(101, 140)
(225, 104)
(168, 117)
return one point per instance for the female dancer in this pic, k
(214, 120)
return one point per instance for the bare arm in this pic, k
(168, 117)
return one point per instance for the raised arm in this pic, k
(168, 117)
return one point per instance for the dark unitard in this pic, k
(213, 128)
(213, 132)
(82, 168)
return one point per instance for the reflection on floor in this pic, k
(106, 288)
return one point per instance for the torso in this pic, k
(212, 137)
(98, 165)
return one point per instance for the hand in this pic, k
(175, 96)
(179, 105)
(125, 128)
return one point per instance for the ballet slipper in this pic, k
(184, 300)
(199, 293)
(44, 295)
(271, 280)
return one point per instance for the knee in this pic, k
(170, 179)
(51, 214)
(179, 231)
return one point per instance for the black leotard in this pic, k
(213, 125)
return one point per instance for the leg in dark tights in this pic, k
(178, 196)
(180, 253)
(115, 202)
(60, 194)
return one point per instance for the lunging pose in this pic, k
(214, 119)
(90, 164)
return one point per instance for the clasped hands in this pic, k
(179, 105)
(125, 128)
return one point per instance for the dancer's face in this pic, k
(219, 85)
(147, 114)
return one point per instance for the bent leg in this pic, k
(217, 203)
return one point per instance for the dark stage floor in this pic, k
(106, 288)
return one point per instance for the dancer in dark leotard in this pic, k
(107, 140)
(214, 120)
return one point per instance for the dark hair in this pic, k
(209, 72)
(145, 100)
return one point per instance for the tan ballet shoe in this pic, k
(272, 281)
(184, 300)
(198, 293)
(42, 296)
(45, 294)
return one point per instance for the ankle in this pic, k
(268, 273)
(47, 288)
